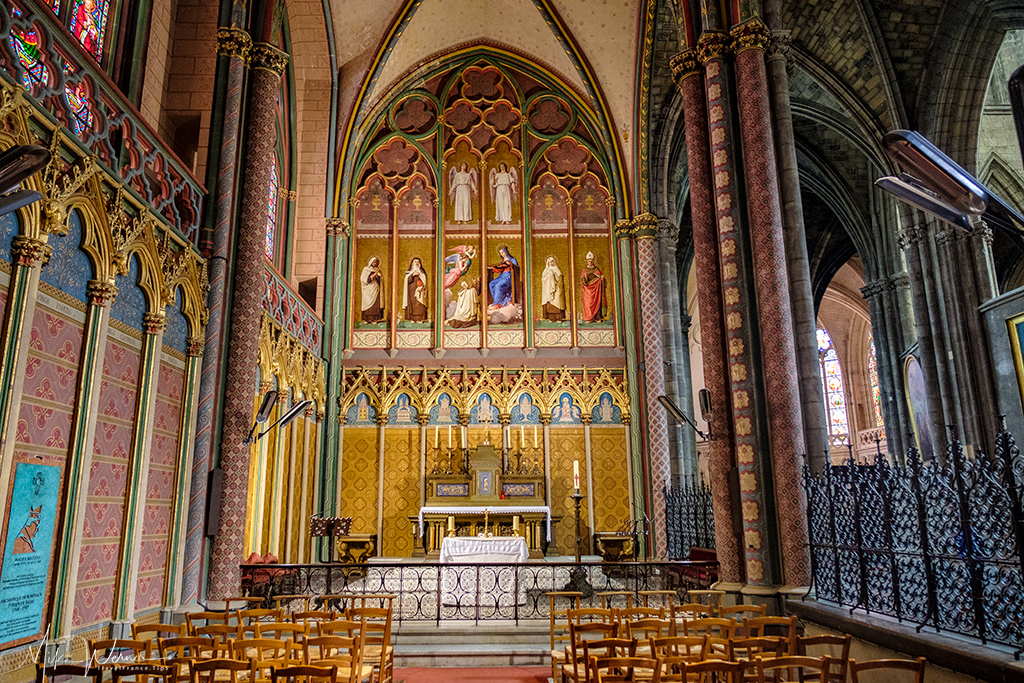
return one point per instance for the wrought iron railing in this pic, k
(935, 544)
(480, 592)
(689, 518)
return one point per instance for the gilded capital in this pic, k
(266, 56)
(154, 323)
(337, 227)
(713, 45)
(684, 64)
(586, 419)
(233, 42)
(645, 226)
(194, 347)
(623, 229)
(751, 35)
(27, 251)
(101, 293)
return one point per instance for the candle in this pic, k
(535, 436)
(449, 437)
(436, 429)
(515, 525)
(464, 437)
(576, 475)
(522, 441)
(451, 522)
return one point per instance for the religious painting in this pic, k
(371, 292)
(552, 291)
(25, 566)
(606, 412)
(362, 413)
(593, 291)
(504, 181)
(443, 412)
(88, 22)
(403, 412)
(415, 308)
(460, 289)
(484, 483)
(917, 400)
(462, 183)
(505, 289)
(484, 411)
(524, 412)
(566, 412)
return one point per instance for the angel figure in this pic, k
(503, 192)
(463, 187)
(455, 266)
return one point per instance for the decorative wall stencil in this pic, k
(130, 304)
(69, 268)
(402, 487)
(176, 332)
(451, 490)
(359, 478)
(8, 229)
(486, 178)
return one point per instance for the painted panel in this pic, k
(153, 561)
(401, 490)
(567, 445)
(104, 504)
(611, 477)
(359, 479)
(130, 304)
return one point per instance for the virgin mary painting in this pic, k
(503, 284)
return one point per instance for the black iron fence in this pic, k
(935, 544)
(689, 518)
(433, 591)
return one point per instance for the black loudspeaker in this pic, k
(704, 397)
(214, 497)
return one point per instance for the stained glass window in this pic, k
(876, 394)
(26, 46)
(835, 395)
(88, 23)
(79, 106)
(272, 210)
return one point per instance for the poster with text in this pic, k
(28, 549)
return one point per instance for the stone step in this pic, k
(465, 644)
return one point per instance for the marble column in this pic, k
(687, 72)
(267, 64)
(774, 307)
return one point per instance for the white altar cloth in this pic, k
(469, 549)
(493, 509)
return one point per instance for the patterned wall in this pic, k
(69, 268)
(401, 489)
(159, 487)
(8, 229)
(611, 477)
(568, 444)
(359, 478)
(101, 533)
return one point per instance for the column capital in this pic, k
(27, 251)
(100, 293)
(982, 233)
(947, 236)
(685, 322)
(154, 323)
(336, 226)
(267, 57)
(623, 229)
(685, 64)
(645, 226)
(233, 42)
(873, 288)
(668, 231)
(505, 419)
(911, 236)
(781, 45)
(194, 347)
(586, 420)
(713, 45)
(545, 419)
(423, 419)
(750, 35)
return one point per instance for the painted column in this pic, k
(589, 541)
(173, 591)
(774, 308)
(292, 517)
(307, 462)
(267, 64)
(275, 488)
(233, 47)
(382, 421)
(153, 325)
(687, 72)
(748, 424)
(83, 432)
(654, 373)
(334, 345)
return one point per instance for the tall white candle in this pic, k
(436, 430)
(576, 475)
(535, 436)
(464, 437)
(449, 437)
(522, 441)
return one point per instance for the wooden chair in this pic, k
(377, 649)
(305, 674)
(334, 601)
(378, 600)
(270, 654)
(836, 647)
(143, 673)
(712, 598)
(180, 652)
(220, 670)
(151, 632)
(667, 598)
(46, 674)
(574, 665)
(344, 653)
(622, 616)
(241, 599)
(259, 649)
(106, 654)
(587, 615)
(914, 667)
(804, 669)
(210, 618)
(749, 649)
(740, 612)
(772, 626)
(339, 627)
(282, 630)
(644, 629)
(313, 616)
(559, 626)
(676, 650)
(608, 597)
(603, 648)
(717, 670)
(689, 612)
(608, 669)
(710, 626)
(291, 598)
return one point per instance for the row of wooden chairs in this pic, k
(206, 671)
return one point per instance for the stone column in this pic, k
(268, 63)
(233, 47)
(687, 72)
(654, 375)
(886, 353)
(779, 361)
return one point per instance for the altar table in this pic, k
(498, 549)
(482, 586)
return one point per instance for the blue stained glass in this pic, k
(272, 211)
(832, 388)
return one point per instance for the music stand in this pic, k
(331, 527)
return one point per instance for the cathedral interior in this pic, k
(296, 259)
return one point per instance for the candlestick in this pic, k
(451, 525)
(576, 475)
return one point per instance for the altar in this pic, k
(475, 586)
(502, 550)
(530, 522)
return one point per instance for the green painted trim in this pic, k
(136, 473)
(79, 456)
(17, 292)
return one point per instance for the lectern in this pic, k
(331, 527)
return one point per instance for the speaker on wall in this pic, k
(214, 495)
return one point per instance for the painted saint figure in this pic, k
(456, 265)
(372, 299)
(414, 292)
(592, 282)
(463, 187)
(466, 308)
(503, 192)
(503, 286)
(552, 290)
(565, 411)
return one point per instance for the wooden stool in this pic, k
(608, 596)
(668, 598)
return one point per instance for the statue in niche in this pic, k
(503, 288)
(414, 292)
(552, 291)
(592, 282)
(465, 314)
(503, 192)
(372, 296)
(463, 189)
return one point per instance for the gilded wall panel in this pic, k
(401, 489)
(567, 445)
(359, 478)
(611, 477)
